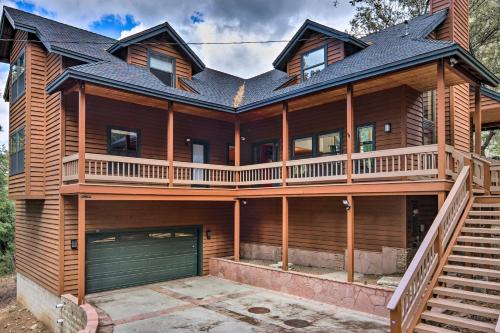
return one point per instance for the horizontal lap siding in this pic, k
(320, 223)
(70, 256)
(414, 117)
(461, 125)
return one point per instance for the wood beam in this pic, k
(81, 133)
(441, 120)
(81, 250)
(170, 143)
(237, 214)
(350, 240)
(477, 119)
(284, 236)
(285, 140)
(350, 132)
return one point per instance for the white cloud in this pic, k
(134, 30)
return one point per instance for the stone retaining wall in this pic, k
(77, 318)
(356, 296)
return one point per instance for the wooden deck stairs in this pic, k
(466, 290)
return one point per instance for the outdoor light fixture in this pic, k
(209, 233)
(243, 138)
(346, 204)
(453, 62)
(74, 244)
(188, 141)
(387, 127)
(244, 202)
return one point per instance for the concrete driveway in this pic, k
(209, 304)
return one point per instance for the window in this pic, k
(16, 151)
(230, 154)
(330, 143)
(312, 63)
(163, 67)
(124, 142)
(17, 78)
(428, 121)
(302, 147)
(365, 138)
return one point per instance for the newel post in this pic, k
(397, 319)
(469, 181)
(487, 178)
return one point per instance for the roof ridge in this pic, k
(58, 22)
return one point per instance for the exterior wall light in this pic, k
(74, 244)
(243, 138)
(387, 128)
(188, 141)
(209, 234)
(346, 204)
(244, 202)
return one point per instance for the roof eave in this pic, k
(495, 95)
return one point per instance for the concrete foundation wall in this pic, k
(38, 300)
(390, 261)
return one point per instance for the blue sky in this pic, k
(195, 21)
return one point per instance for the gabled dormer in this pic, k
(161, 50)
(313, 47)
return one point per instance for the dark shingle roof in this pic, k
(62, 38)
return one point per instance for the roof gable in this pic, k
(197, 64)
(306, 28)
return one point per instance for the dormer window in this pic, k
(312, 63)
(163, 67)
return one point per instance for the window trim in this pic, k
(341, 132)
(276, 154)
(325, 60)
(356, 146)
(22, 169)
(313, 136)
(164, 56)
(121, 128)
(13, 100)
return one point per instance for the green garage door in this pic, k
(123, 259)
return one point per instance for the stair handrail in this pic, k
(412, 287)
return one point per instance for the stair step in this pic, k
(482, 221)
(484, 212)
(474, 260)
(472, 271)
(486, 204)
(458, 321)
(465, 308)
(464, 294)
(426, 328)
(479, 240)
(477, 249)
(458, 281)
(491, 231)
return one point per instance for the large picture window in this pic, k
(312, 63)
(18, 77)
(16, 151)
(123, 141)
(163, 67)
(330, 143)
(303, 147)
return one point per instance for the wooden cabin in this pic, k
(132, 151)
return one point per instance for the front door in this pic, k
(265, 152)
(199, 153)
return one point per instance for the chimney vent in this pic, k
(406, 28)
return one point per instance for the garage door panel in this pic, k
(123, 259)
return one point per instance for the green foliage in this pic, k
(7, 217)
(491, 143)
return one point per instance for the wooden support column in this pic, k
(170, 143)
(81, 132)
(237, 147)
(350, 240)
(237, 214)
(350, 132)
(81, 250)
(284, 143)
(441, 198)
(441, 120)
(477, 119)
(284, 236)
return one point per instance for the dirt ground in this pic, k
(13, 317)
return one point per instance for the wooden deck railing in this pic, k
(479, 170)
(495, 178)
(412, 287)
(400, 162)
(70, 168)
(260, 174)
(319, 169)
(455, 161)
(186, 173)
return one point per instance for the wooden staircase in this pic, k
(466, 294)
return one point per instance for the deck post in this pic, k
(284, 144)
(350, 239)
(170, 143)
(441, 120)
(284, 236)
(81, 132)
(237, 148)
(477, 120)
(237, 214)
(350, 132)
(81, 250)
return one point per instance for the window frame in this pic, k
(167, 57)
(341, 134)
(325, 60)
(121, 128)
(313, 144)
(11, 85)
(228, 146)
(256, 146)
(20, 166)
(373, 125)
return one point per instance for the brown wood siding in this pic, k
(456, 26)
(121, 215)
(412, 117)
(335, 52)
(320, 223)
(70, 256)
(461, 117)
(138, 55)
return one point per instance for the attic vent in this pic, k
(238, 98)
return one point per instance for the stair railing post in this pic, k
(397, 319)
(469, 182)
(487, 178)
